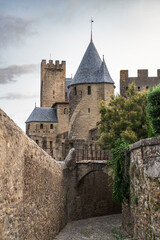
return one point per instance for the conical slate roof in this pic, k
(91, 68)
(43, 114)
(104, 75)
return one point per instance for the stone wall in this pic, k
(142, 81)
(44, 137)
(142, 216)
(33, 198)
(89, 191)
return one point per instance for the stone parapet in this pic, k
(144, 207)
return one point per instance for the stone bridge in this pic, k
(89, 188)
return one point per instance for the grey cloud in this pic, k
(16, 96)
(9, 74)
(14, 30)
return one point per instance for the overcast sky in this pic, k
(126, 32)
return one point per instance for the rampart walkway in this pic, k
(98, 228)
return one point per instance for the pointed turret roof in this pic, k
(91, 68)
(104, 75)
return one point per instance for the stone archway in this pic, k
(94, 196)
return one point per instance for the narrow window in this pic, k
(139, 88)
(126, 88)
(89, 110)
(50, 144)
(44, 144)
(28, 126)
(75, 91)
(37, 142)
(147, 87)
(41, 126)
(65, 111)
(51, 126)
(89, 90)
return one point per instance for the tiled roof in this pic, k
(91, 68)
(42, 114)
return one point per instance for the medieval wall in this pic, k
(142, 216)
(44, 134)
(52, 82)
(142, 81)
(33, 198)
(84, 107)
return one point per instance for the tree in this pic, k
(123, 118)
(153, 110)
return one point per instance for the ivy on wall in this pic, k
(120, 164)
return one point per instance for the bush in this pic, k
(123, 118)
(153, 110)
(120, 164)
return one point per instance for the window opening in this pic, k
(41, 126)
(89, 90)
(50, 144)
(75, 91)
(51, 126)
(65, 111)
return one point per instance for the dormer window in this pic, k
(89, 90)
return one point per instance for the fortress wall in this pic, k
(142, 81)
(142, 216)
(32, 196)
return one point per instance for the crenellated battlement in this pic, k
(142, 80)
(50, 64)
(141, 73)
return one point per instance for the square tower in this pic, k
(52, 82)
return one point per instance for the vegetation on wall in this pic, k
(120, 165)
(123, 122)
(153, 110)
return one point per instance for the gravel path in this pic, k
(98, 228)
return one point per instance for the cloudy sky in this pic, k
(126, 32)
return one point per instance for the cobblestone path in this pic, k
(98, 228)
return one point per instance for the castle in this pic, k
(72, 112)
(69, 109)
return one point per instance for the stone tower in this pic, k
(52, 82)
(142, 81)
(91, 84)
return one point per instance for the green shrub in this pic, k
(153, 110)
(120, 164)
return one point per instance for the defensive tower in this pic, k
(52, 82)
(91, 84)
